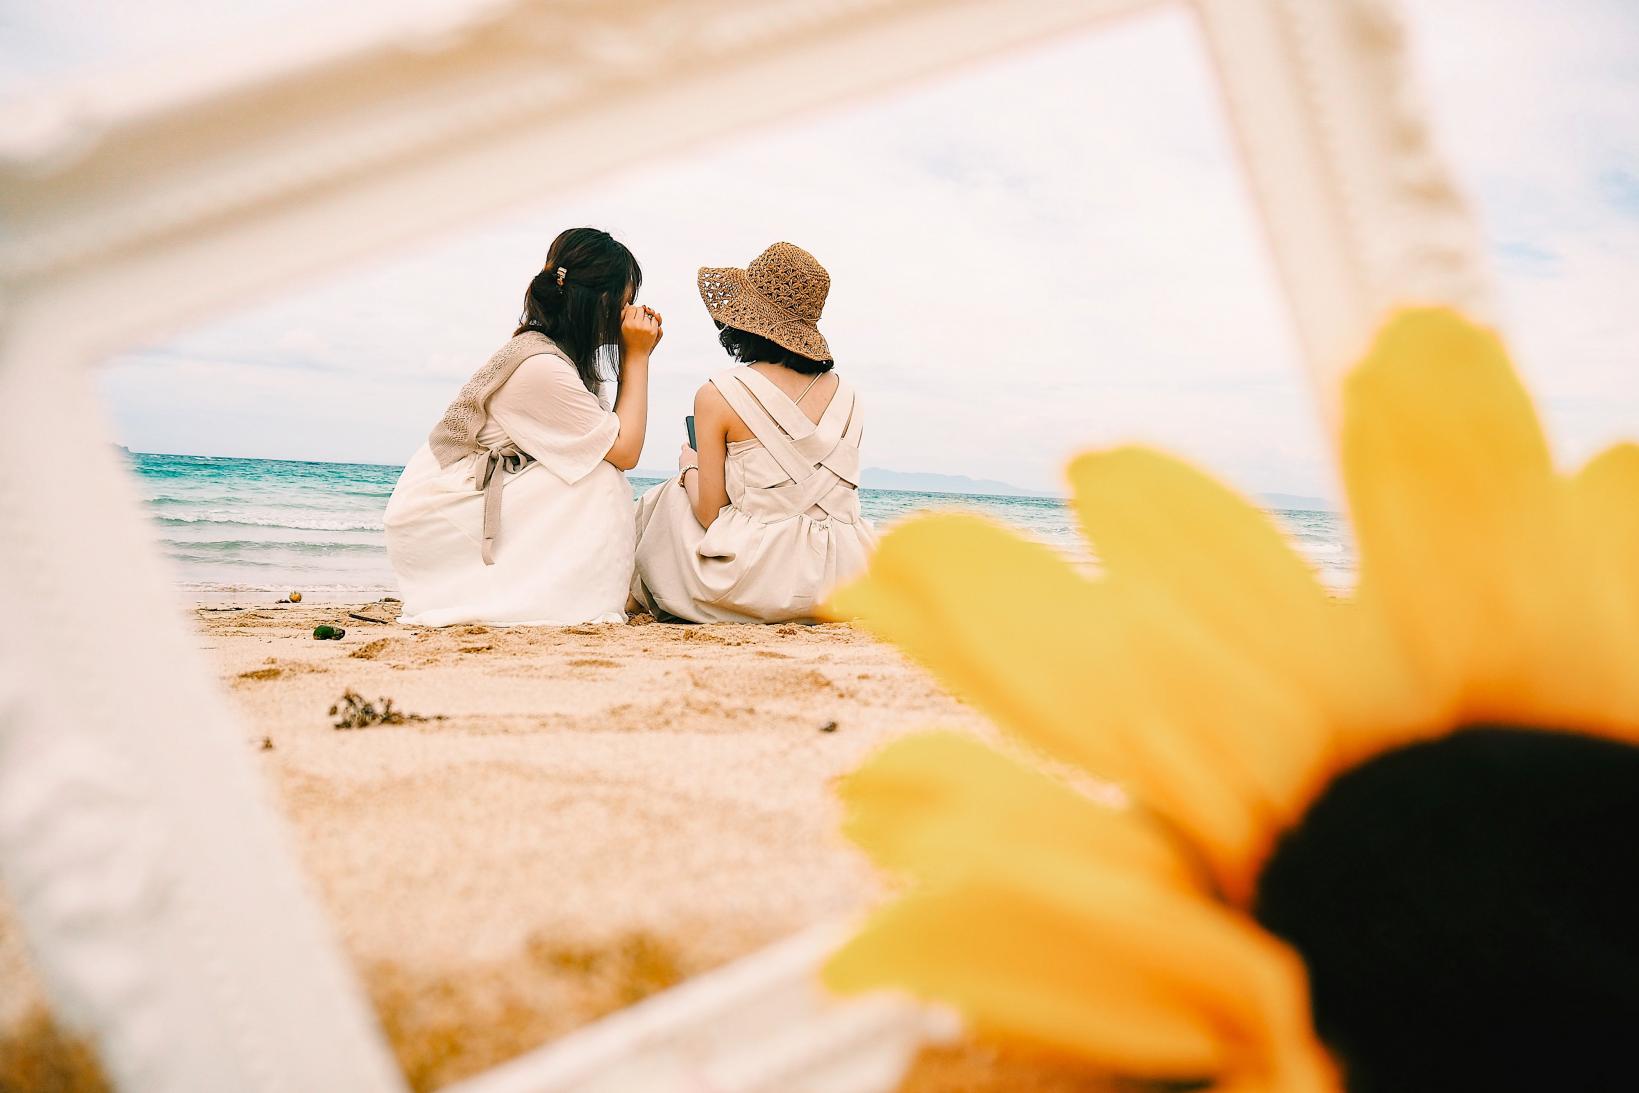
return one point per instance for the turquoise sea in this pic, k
(272, 525)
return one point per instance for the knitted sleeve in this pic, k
(547, 412)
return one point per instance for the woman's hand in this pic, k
(640, 330)
(687, 458)
(639, 334)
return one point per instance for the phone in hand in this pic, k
(688, 423)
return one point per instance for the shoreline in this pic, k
(228, 600)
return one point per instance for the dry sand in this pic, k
(593, 814)
(586, 784)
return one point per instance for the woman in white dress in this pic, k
(763, 521)
(533, 425)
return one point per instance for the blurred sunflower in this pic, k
(1380, 842)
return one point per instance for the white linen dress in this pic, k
(791, 531)
(564, 553)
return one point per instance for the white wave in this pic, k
(305, 522)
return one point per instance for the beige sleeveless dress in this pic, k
(791, 531)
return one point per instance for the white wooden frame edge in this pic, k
(156, 887)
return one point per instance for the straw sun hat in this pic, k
(779, 296)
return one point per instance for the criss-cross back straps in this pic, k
(785, 412)
(843, 459)
(812, 438)
(820, 459)
(763, 424)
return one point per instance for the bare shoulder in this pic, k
(709, 400)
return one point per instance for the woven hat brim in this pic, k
(733, 300)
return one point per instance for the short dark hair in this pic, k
(746, 347)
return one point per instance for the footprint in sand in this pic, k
(277, 668)
(371, 650)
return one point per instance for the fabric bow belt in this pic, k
(494, 464)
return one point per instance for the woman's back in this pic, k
(792, 529)
(787, 463)
(811, 394)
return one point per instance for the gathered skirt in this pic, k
(741, 569)
(563, 556)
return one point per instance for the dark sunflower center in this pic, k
(1468, 910)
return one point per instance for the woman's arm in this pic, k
(705, 486)
(640, 332)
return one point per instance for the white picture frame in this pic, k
(143, 201)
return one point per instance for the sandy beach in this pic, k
(586, 816)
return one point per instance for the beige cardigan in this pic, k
(455, 437)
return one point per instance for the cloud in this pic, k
(1537, 104)
(1033, 256)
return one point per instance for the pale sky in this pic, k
(1043, 254)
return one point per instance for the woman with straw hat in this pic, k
(762, 521)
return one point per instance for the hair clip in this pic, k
(562, 273)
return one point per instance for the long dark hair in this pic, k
(583, 313)
(748, 348)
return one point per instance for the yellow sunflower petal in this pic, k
(1156, 520)
(932, 805)
(1203, 712)
(1137, 978)
(1052, 657)
(1218, 560)
(1001, 620)
(1605, 517)
(1459, 517)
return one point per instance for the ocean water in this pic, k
(269, 525)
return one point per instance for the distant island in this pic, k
(1296, 502)
(880, 478)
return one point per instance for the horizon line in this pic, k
(1326, 504)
